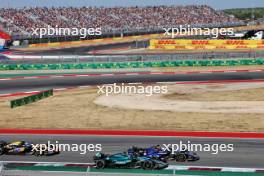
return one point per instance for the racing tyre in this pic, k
(180, 157)
(37, 153)
(2, 151)
(148, 165)
(100, 164)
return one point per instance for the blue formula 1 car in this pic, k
(156, 152)
(121, 160)
(15, 148)
(25, 148)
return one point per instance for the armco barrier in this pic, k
(113, 65)
(30, 99)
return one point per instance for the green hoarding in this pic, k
(113, 65)
(30, 99)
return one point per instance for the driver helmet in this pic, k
(99, 155)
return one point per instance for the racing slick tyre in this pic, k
(100, 164)
(37, 153)
(2, 150)
(180, 157)
(148, 165)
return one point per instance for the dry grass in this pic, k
(75, 110)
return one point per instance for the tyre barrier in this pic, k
(117, 65)
(30, 99)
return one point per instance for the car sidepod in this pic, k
(192, 156)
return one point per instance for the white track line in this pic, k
(106, 75)
(42, 162)
(5, 79)
(58, 89)
(223, 169)
(29, 92)
(130, 74)
(171, 167)
(57, 76)
(82, 75)
(30, 77)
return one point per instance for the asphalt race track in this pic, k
(11, 86)
(248, 153)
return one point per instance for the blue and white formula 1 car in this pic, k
(156, 152)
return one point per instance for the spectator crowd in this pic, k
(114, 18)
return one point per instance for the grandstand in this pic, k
(5, 40)
(20, 21)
